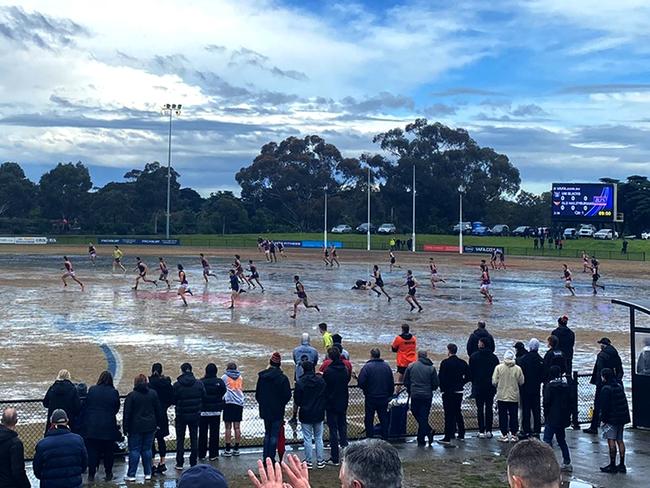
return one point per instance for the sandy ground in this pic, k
(48, 328)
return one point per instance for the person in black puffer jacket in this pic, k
(480, 333)
(162, 385)
(210, 421)
(310, 397)
(482, 364)
(272, 394)
(61, 456)
(567, 340)
(558, 398)
(615, 413)
(142, 416)
(337, 397)
(100, 426)
(12, 453)
(188, 398)
(553, 357)
(608, 358)
(62, 395)
(532, 365)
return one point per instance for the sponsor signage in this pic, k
(439, 248)
(291, 243)
(23, 240)
(482, 249)
(139, 242)
(320, 244)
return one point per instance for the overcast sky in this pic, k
(561, 87)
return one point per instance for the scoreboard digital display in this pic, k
(583, 201)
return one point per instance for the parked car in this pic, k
(606, 234)
(570, 233)
(499, 230)
(587, 230)
(522, 230)
(387, 229)
(363, 228)
(467, 228)
(478, 229)
(341, 229)
(645, 235)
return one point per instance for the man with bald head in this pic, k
(12, 452)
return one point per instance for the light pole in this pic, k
(170, 109)
(325, 226)
(413, 236)
(461, 190)
(368, 228)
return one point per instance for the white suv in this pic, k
(587, 230)
(387, 229)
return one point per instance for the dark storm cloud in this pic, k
(27, 29)
(376, 103)
(606, 88)
(462, 90)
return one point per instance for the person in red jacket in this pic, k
(405, 345)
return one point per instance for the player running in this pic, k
(272, 246)
(502, 259)
(254, 275)
(266, 246)
(117, 259)
(206, 268)
(69, 273)
(302, 297)
(92, 253)
(326, 257)
(235, 289)
(164, 272)
(184, 285)
(585, 262)
(239, 270)
(392, 260)
(568, 280)
(595, 276)
(379, 282)
(334, 257)
(281, 249)
(142, 269)
(485, 283)
(493, 259)
(412, 284)
(434, 274)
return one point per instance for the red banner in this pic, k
(439, 248)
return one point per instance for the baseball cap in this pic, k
(59, 417)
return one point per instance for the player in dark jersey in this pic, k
(412, 285)
(164, 272)
(485, 283)
(568, 280)
(362, 285)
(302, 297)
(281, 249)
(69, 273)
(266, 246)
(141, 268)
(435, 277)
(379, 282)
(392, 260)
(585, 262)
(239, 270)
(595, 275)
(254, 274)
(235, 289)
(493, 259)
(184, 285)
(326, 257)
(272, 247)
(206, 268)
(483, 266)
(92, 253)
(334, 257)
(502, 259)
(259, 243)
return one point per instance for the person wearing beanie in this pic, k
(520, 350)
(608, 358)
(61, 456)
(188, 398)
(162, 385)
(62, 395)
(272, 393)
(614, 413)
(508, 377)
(233, 410)
(211, 409)
(303, 352)
(532, 366)
(202, 476)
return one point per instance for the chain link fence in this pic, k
(32, 417)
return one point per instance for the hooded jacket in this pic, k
(12, 460)
(310, 396)
(481, 366)
(60, 459)
(304, 352)
(188, 397)
(337, 395)
(99, 411)
(272, 393)
(567, 340)
(472, 342)
(421, 379)
(64, 395)
(376, 380)
(142, 412)
(607, 358)
(405, 345)
(554, 357)
(558, 401)
(532, 366)
(215, 389)
(614, 409)
(162, 385)
(234, 387)
(507, 377)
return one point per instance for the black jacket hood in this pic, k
(187, 379)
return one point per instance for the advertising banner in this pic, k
(139, 242)
(439, 248)
(23, 240)
(482, 249)
(319, 244)
(291, 243)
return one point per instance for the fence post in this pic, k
(574, 407)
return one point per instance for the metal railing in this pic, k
(32, 417)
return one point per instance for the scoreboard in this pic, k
(583, 202)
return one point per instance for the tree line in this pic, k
(283, 190)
